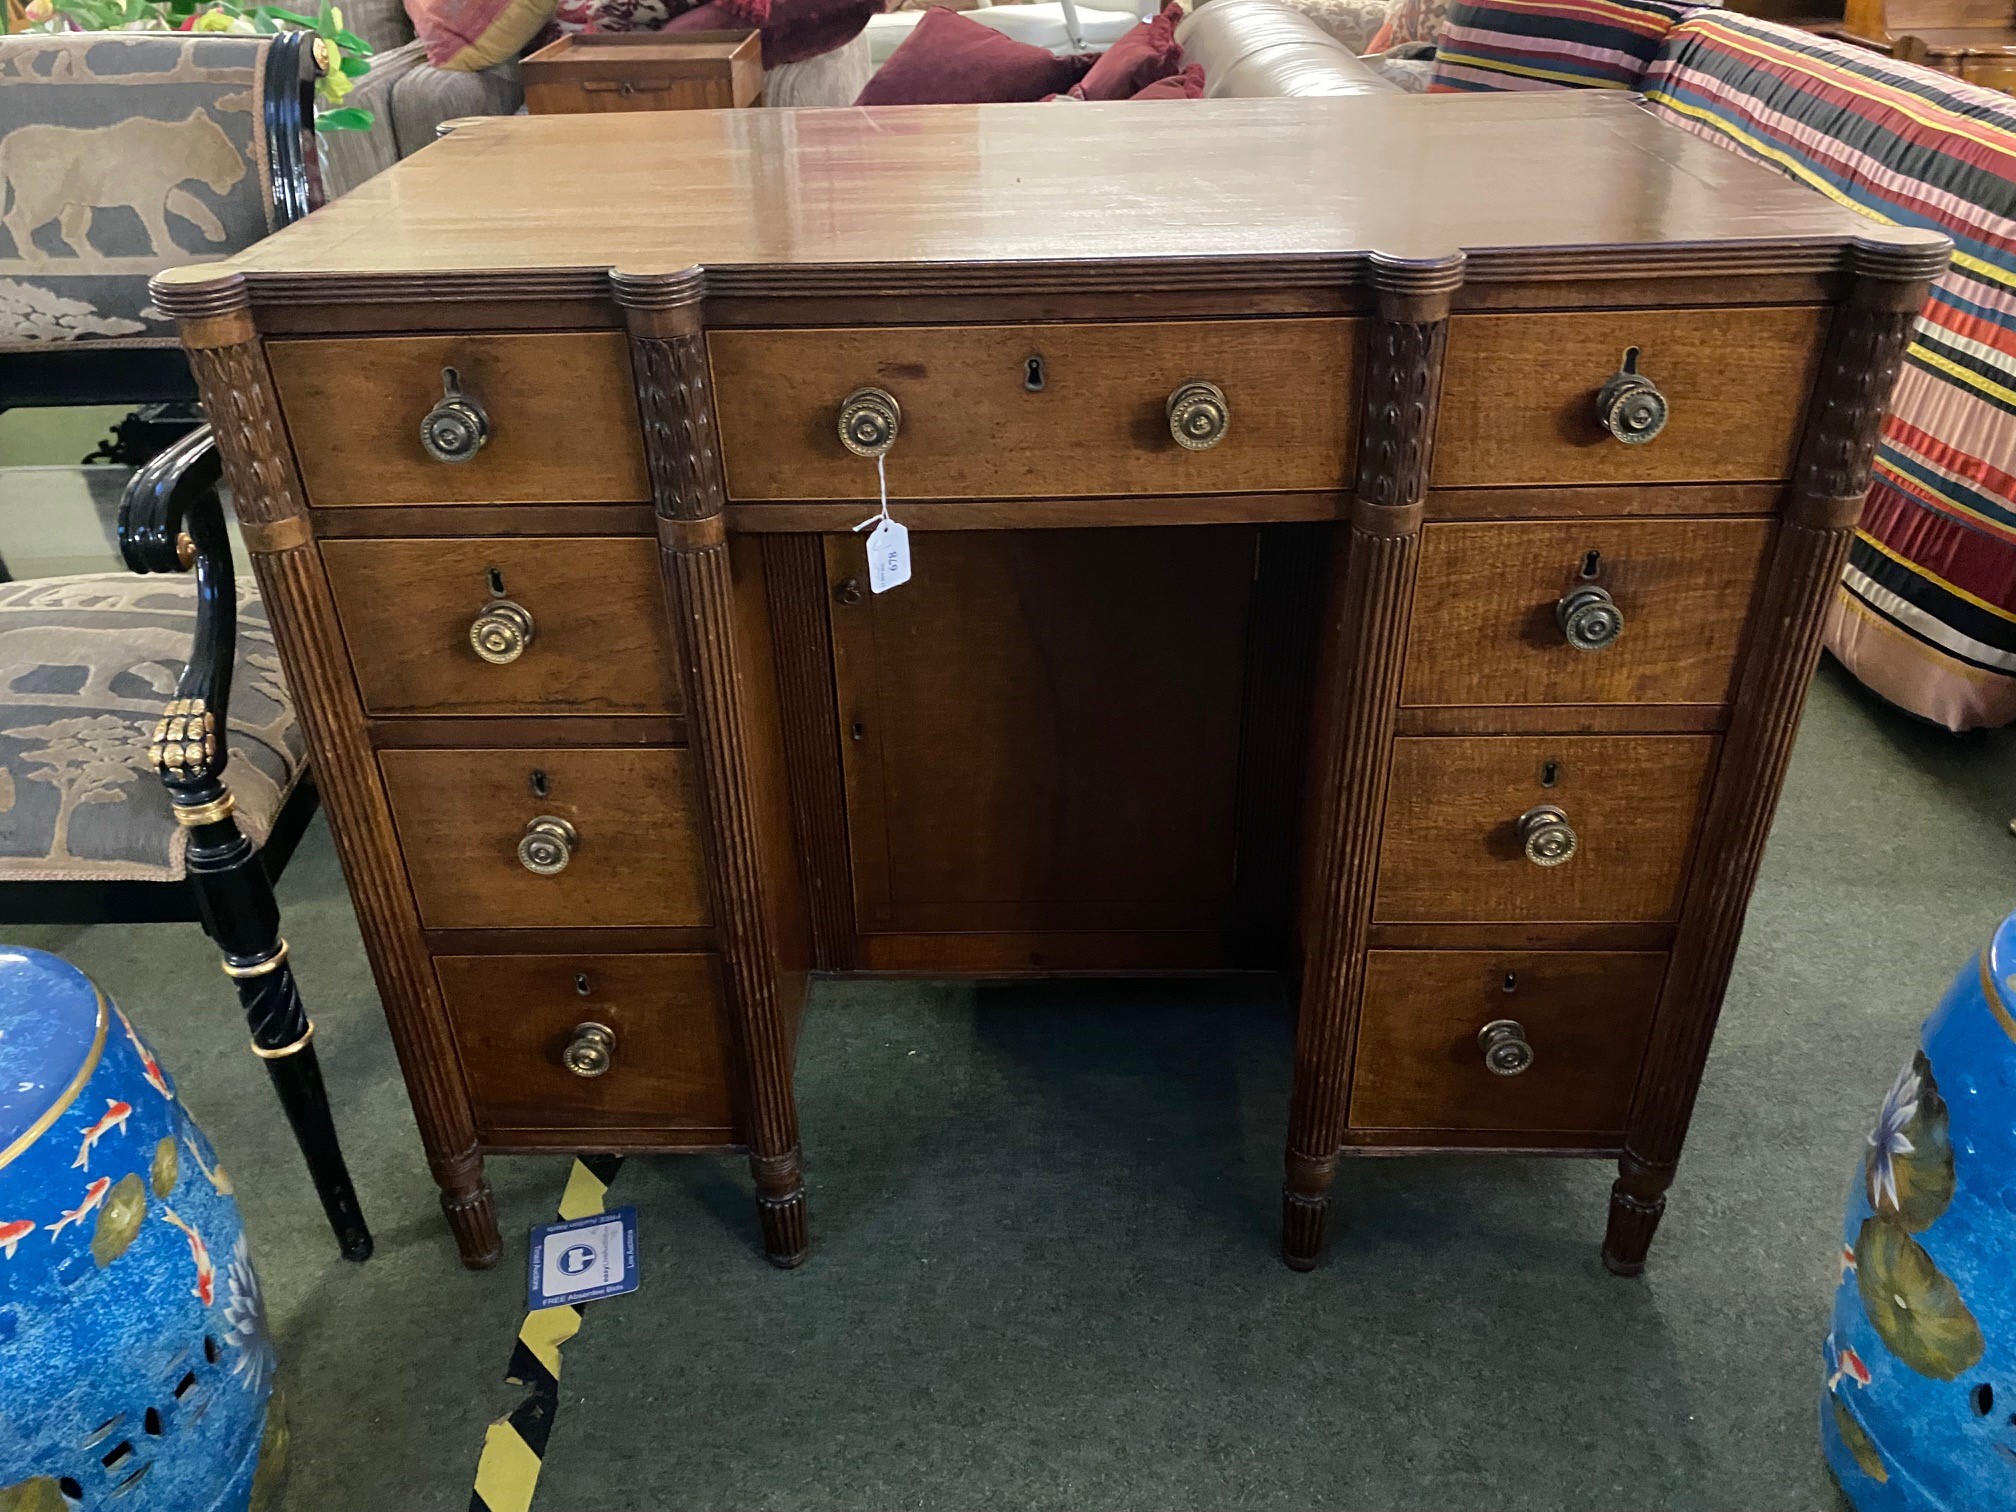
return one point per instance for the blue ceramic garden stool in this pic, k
(1919, 1410)
(135, 1373)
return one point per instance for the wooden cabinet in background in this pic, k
(591, 72)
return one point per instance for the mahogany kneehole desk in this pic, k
(1380, 540)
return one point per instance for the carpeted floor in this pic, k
(1044, 1223)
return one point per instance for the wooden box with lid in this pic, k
(1377, 540)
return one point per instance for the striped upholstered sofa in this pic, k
(1926, 613)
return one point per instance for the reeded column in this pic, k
(244, 413)
(669, 353)
(1364, 630)
(1864, 352)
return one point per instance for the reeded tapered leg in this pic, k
(1364, 630)
(668, 353)
(1865, 350)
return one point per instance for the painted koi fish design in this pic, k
(116, 1114)
(149, 1067)
(206, 1273)
(13, 1233)
(93, 1195)
(219, 1178)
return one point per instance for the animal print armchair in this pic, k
(121, 154)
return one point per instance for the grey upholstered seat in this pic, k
(86, 664)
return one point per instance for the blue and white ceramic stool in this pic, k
(1919, 1407)
(135, 1373)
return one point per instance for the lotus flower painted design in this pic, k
(245, 1319)
(1888, 1141)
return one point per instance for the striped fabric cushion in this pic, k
(1928, 613)
(1549, 44)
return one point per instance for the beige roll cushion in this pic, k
(1262, 47)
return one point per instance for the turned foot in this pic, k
(1637, 1201)
(1305, 1209)
(472, 1213)
(1304, 1222)
(780, 1206)
(786, 1239)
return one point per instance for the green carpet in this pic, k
(1043, 1220)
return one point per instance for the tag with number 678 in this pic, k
(888, 555)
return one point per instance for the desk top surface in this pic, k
(1407, 177)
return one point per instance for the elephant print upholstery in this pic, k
(122, 154)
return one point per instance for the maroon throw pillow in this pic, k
(1187, 85)
(949, 60)
(1145, 54)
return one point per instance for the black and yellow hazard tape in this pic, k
(514, 1447)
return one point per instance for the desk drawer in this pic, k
(1488, 623)
(592, 637)
(1519, 396)
(635, 857)
(1584, 1016)
(1452, 849)
(560, 408)
(971, 427)
(667, 1057)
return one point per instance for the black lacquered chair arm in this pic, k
(171, 520)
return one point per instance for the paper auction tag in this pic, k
(888, 555)
(583, 1259)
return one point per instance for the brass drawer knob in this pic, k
(591, 1051)
(456, 428)
(1545, 834)
(1506, 1052)
(547, 846)
(501, 632)
(1198, 415)
(869, 420)
(1630, 405)
(1589, 618)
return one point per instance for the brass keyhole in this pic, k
(1592, 563)
(540, 785)
(1511, 981)
(496, 582)
(1550, 773)
(581, 983)
(1032, 375)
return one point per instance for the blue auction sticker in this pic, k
(583, 1259)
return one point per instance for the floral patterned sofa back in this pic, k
(121, 155)
(1926, 614)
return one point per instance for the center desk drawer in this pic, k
(567, 625)
(1040, 411)
(1452, 848)
(559, 411)
(665, 1059)
(1519, 396)
(1496, 604)
(1578, 1018)
(633, 857)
